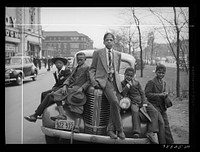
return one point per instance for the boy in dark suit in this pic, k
(46, 97)
(60, 75)
(155, 91)
(132, 89)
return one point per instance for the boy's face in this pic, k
(160, 73)
(59, 64)
(80, 59)
(109, 41)
(129, 75)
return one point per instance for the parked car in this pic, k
(93, 128)
(18, 68)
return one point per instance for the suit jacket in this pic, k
(99, 69)
(135, 92)
(152, 89)
(63, 75)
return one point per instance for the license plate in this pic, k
(64, 124)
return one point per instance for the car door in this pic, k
(28, 66)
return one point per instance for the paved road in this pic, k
(21, 101)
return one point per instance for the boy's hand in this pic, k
(64, 89)
(163, 94)
(129, 84)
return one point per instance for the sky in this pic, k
(93, 21)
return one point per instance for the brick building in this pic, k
(66, 43)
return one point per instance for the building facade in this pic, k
(23, 31)
(66, 43)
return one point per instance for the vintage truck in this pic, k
(95, 117)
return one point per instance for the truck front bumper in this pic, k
(91, 138)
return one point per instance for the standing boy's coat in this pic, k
(100, 63)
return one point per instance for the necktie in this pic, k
(109, 59)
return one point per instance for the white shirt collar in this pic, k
(108, 49)
(62, 69)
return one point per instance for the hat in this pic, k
(77, 98)
(59, 57)
(144, 115)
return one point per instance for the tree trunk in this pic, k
(140, 53)
(178, 68)
(177, 61)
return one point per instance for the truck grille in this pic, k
(96, 112)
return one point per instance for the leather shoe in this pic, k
(76, 129)
(31, 118)
(136, 135)
(121, 135)
(59, 117)
(152, 138)
(112, 135)
(39, 117)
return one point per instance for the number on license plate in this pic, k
(64, 124)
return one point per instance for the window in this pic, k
(74, 38)
(74, 45)
(16, 61)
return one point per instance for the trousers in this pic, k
(115, 123)
(167, 132)
(43, 94)
(136, 127)
(47, 101)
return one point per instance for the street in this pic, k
(21, 101)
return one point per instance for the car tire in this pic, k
(51, 140)
(35, 76)
(19, 80)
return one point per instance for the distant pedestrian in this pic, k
(34, 61)
(49, 64)
(39, 63)
(45, 62)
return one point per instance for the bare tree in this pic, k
(176, 28)
(150, 43)
(137, 22)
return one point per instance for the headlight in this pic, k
(9, 71)
(125, 103)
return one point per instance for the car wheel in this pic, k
(51, 140)
(35, 76)
(19, 79)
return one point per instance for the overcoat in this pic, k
(78, 78)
